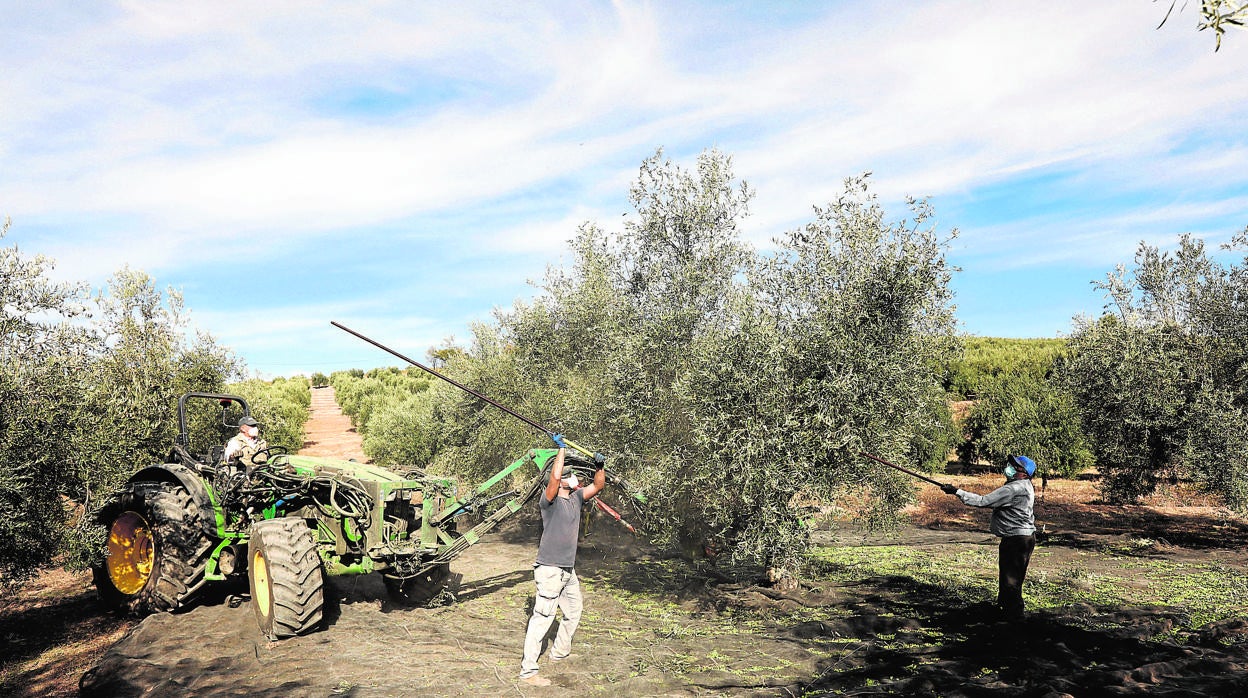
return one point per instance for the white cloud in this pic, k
(162, 134)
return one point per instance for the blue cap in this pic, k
(1023, 462)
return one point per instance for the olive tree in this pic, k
(1027, 415)
(42, 359)
(734, 387)
(143, 361)
(832, 348)
(88, 394)
(1160, 383)
(1217, 15)
(600, 350)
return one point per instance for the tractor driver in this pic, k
(242, 449)
(554, 571)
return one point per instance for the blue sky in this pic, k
(406, 167)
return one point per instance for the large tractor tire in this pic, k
(157, 551)
(287, 581)
(418, 590)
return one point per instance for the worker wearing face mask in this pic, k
(246, 449)
(554, 572)
(1014, 522)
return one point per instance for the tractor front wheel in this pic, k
(287, 581)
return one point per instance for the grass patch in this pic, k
(1112, 576)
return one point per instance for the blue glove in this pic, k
(600, 461)
(558, 439)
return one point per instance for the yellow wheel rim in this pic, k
(260, 582)
(131, 553)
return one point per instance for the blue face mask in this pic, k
(1010, 472)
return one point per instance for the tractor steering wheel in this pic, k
(268, 453)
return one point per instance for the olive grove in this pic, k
(734, 386)
(42, 355)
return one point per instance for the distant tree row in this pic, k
(1155, 391)
(986, 359)
(392, 410)
(1018, 405)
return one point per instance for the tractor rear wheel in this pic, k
(287, 581)
(418, 590)
(157, 552)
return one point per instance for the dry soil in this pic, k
(659, 625)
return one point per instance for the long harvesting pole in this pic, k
(464, 388)
(452, 381)
(877, 459)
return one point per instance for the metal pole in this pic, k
(571, 444)
(898, 467)
(452, 381)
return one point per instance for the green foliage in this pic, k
(403, 433)
(938, 434)
(827, 351)
(477, 439)
(319, 380)
(1026, 415)
(41, 362)
(1217, 15)
(142, 364)
(1162, 386)
(734, 387)
(384, 404)
(84, 401)
(1216, 445)
(281, 406)
(988, 358)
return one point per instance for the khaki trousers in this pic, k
(557, 588)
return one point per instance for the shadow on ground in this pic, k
(919, 640)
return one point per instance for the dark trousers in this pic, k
(1014, 556)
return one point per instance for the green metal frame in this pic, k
(441, 504)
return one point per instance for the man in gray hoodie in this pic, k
(1014, 521)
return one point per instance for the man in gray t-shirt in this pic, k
(554, 573)
(1013, 520)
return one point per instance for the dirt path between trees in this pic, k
(659, 625)
(328, 432)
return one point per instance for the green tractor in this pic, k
(286, 524)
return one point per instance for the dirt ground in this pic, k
(658, 625)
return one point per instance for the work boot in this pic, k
(536, 680)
